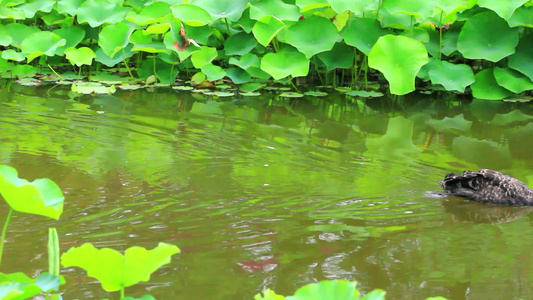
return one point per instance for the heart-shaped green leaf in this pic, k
(523, 16)
(11, 54)
(31, 8)
(522, 60)
(80, 56)
(19, 32)
(98, 12)
(512, 80)
(115, 270)
(399, 58)
(486, 86)
(41, 196)
(363, 33)
(191, 15)
(454, 77)
(312, 35)
(341, 56)
(203, 56)
(212, 72)
(282, 64)
(114, 38)
(239, 44)
(73, 35)
(266, 28)
(504, 8)
(41, 43)
(487, 36)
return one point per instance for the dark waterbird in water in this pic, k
(488, 186)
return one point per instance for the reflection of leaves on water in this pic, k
(512, 118)
(465, 210)
(483, 153)
(396, 143)
(457, 124)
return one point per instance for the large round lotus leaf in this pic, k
(357, 7)
(41, 196)
(41, 43)
(19, 32)
(201, 34)
(222, 9)
(31, 8)
(73, 35)
(275, 8)
(312, 35)
(81, 56)
(213, 72)
(98, 12)
(152, 13)
(119, 57)
(504, 8)
(239, 44)
(486, 86)
(522, 60)
(362, 33)
(419, 8)
(69, 7)
(246, 61)
(399, 58)
(454, 77)
(451, 7)
(487, 36)
(341, 56)
(203, 56)
(282, 64)
(398, 21)
(266, 28)
(5, 38)
(238, 75)
(191, 15)
(10, 13)
(523, 16)
(325, 289)
(114, 38)
(512, 80)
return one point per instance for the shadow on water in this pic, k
(268, 192)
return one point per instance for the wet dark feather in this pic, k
(488, 186)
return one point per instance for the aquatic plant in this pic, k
(336, 42)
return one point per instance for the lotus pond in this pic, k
(269, 192)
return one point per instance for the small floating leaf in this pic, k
(115, 270)
(92, 88)
(291, 95)
(364, 94)
(183, 87)
(251, 86)
(315, 94)
(41, 196)
(250, 94)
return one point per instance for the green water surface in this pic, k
(263, 192)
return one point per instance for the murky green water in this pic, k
(267, 193)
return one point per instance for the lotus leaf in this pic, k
(378, 294)
(504, 8)
(5, 38)
(398, 21)
(73, 35)
(357, 7)
(213, 72)
(110, 62)
(362, 33)
(157, 28)
(163, 71)
(98, 12)
(291, 95)
(449, 41)
(69, 7)
(522, 60)
(512, 80)
(250, 87)
(191, 15)
(341, 56)
(315, 93)
(22, 71)
(41, 196)
(80, 56)
(20, 286)
(523, 16)
(10, 13)
(19, 32)
(115, 270)
(114, 38)
(312, 35)
(246, 61)
(238, 75)
(41, 43)
(486, 86)
(451, 7)
(150, 14)
(222, 9)
(275, 8)
(145, 297)
(11, 54)
(421, 9)
(307, 5)
(399, 58)
(282, 64)
(153, 47)
(487, 36)
(327, 290)
(454, 77)
(266, 28)
(203, 56)
(92, 88)
(239, 44)
(31, 8)
(364, 94)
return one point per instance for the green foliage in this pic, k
(209, 36)
(114, 270)
(19, 286)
